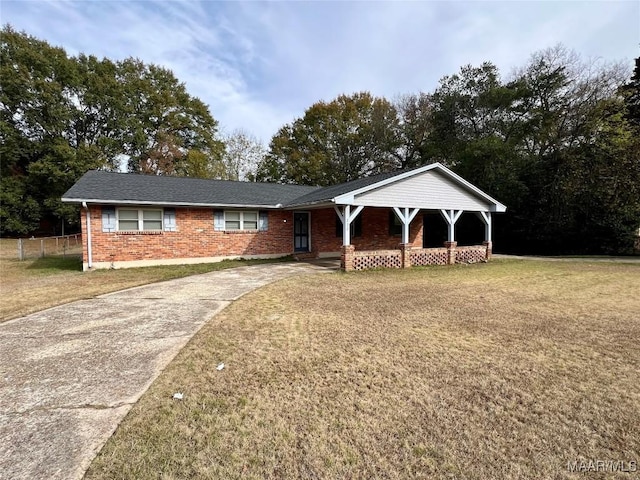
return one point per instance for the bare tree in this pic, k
(243, 152)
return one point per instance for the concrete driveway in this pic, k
(69, 375)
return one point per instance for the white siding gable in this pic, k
(428, 190)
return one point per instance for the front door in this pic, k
(301, 231)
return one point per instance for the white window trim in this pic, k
(242, 213)
(140, 219)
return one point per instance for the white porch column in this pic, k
(346, 226)
(406, 216)
(451, 217)
(486, 218)
(347, 217)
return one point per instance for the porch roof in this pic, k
(328, 194)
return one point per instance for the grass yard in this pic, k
(507, 370)
(31, 285)
(8, 248)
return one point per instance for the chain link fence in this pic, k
(48, 246)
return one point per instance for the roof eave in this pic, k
(499, 207)
(319, 203)
(171, 204)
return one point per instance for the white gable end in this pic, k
(428, 190)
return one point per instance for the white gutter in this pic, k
(171, 204)
(89, 254)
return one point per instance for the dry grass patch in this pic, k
(32, 285)
(8, 248)
(507, 370)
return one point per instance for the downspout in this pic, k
(89, 254)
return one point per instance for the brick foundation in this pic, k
(429, 256)
(405, 254)
(473, 254)
(377, 259)
(347, 256)
(489, 251)
(451, 252)
(408, 256)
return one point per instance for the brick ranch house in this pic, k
(388, 220)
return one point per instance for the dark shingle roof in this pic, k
(110, 187)
(123, 188)
(327, 193)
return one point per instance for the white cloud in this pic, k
(259, 65)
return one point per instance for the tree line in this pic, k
(62, 115)
(557, 140)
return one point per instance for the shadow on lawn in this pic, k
(67, 263)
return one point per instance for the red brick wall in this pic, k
(195, 238)
(375, 231)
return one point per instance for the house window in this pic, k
(240, 220)
(356, 227)
(395, 225)
(133, 220)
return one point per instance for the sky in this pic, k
(259, 65)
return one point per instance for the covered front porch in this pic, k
(381, 221)
(411, 248)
